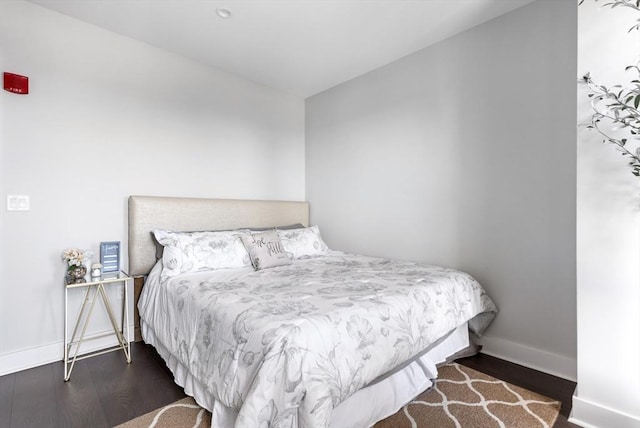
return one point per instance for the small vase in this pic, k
(77, 272)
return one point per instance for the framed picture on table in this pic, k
(110, 257)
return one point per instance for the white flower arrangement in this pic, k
(74, 257)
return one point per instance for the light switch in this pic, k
(18, 203)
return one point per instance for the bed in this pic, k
(328, 339)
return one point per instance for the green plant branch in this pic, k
(617, 104)
(621, 108)
(633, 4)
(620, 143)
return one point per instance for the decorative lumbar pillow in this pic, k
(303, 242)
(198, 251)
(265, 250)
(160, 247)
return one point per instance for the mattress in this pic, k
(288, 346)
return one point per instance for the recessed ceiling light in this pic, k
(223, 13)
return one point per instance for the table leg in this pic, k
(82, 334)
(66, 349)
(125, 322)
(123, 343)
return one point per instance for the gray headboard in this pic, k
(188, 214)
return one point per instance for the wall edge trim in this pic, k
(588, 414)
(23, 359)
(544, 361)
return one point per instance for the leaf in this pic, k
(632, 6)
(636, 103)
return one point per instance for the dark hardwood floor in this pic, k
(105, 391)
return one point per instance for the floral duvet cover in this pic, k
(284, 346)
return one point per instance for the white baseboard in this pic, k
(23, 359)
(592, 415)
(547, 362)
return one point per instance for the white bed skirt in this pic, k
(362, 409)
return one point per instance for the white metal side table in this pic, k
(95, 287)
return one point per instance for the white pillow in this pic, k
(186, 252)
(265, 250)
(303, 242)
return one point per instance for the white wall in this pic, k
(608, 232)
(462, 154)
(108, 117)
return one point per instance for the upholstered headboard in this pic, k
(189, 214)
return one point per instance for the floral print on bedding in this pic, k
(303, 242)
(186, 252)
(284, 346)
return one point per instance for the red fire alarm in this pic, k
(16, 83)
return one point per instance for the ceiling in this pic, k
(299, 46)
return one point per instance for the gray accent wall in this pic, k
(463, 154)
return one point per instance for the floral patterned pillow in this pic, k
(186, 252)
(303, 242)
(265, 250)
